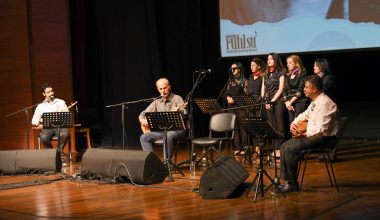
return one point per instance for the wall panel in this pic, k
(34, 48)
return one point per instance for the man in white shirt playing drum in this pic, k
(320, 117)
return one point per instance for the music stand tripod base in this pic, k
(260, 129)
(164, 122)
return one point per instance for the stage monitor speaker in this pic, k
(28, 161)
(222, 178)
(138, 166)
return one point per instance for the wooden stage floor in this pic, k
(357, 171)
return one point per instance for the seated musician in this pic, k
(167, 102)
(320, 117)
(50, 104)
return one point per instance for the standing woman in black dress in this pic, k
(271, 91)
(322, 69)
(255, 82)
(237, 85)
(295, 83)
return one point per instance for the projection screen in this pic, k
(257, 27)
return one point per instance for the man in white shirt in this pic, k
(320, 117)
(50, 104)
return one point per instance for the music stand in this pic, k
(57, 120)
(259, 128)
(208, 105)
(246, 100)
(166, 121)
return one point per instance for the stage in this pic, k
(65, 196)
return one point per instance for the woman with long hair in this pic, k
(237, 85)
(272, 89)
(294, 84)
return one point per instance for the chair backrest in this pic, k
(222, 122)
(340, 126)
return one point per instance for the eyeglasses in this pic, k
(234, 68)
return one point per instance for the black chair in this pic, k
(325, 150)
(221, 131)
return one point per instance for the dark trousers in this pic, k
(290, 153)
(240, 138)
(47, 134)
(147, 140)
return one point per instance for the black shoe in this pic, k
(287, 188)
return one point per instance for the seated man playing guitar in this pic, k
(167, 102)
(50, 104)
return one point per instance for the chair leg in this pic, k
(299, 168)
(333, 174)
(211, 151)
(220, 151)
(327, 160)
(204, 155)
(303, 172)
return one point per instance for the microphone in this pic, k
(204, 71)
(149, 99)
(157, 97)
(286, 97)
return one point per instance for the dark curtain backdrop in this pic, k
(120, 48)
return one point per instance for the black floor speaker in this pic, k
(221, 179)
(29, 161)
(136, 166)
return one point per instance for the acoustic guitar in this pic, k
(146, 128)
(40, 124)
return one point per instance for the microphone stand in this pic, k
(123, 107)
(223, 91)
(189, 99)
(253, 105)
(26, 109)
(244, 106)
